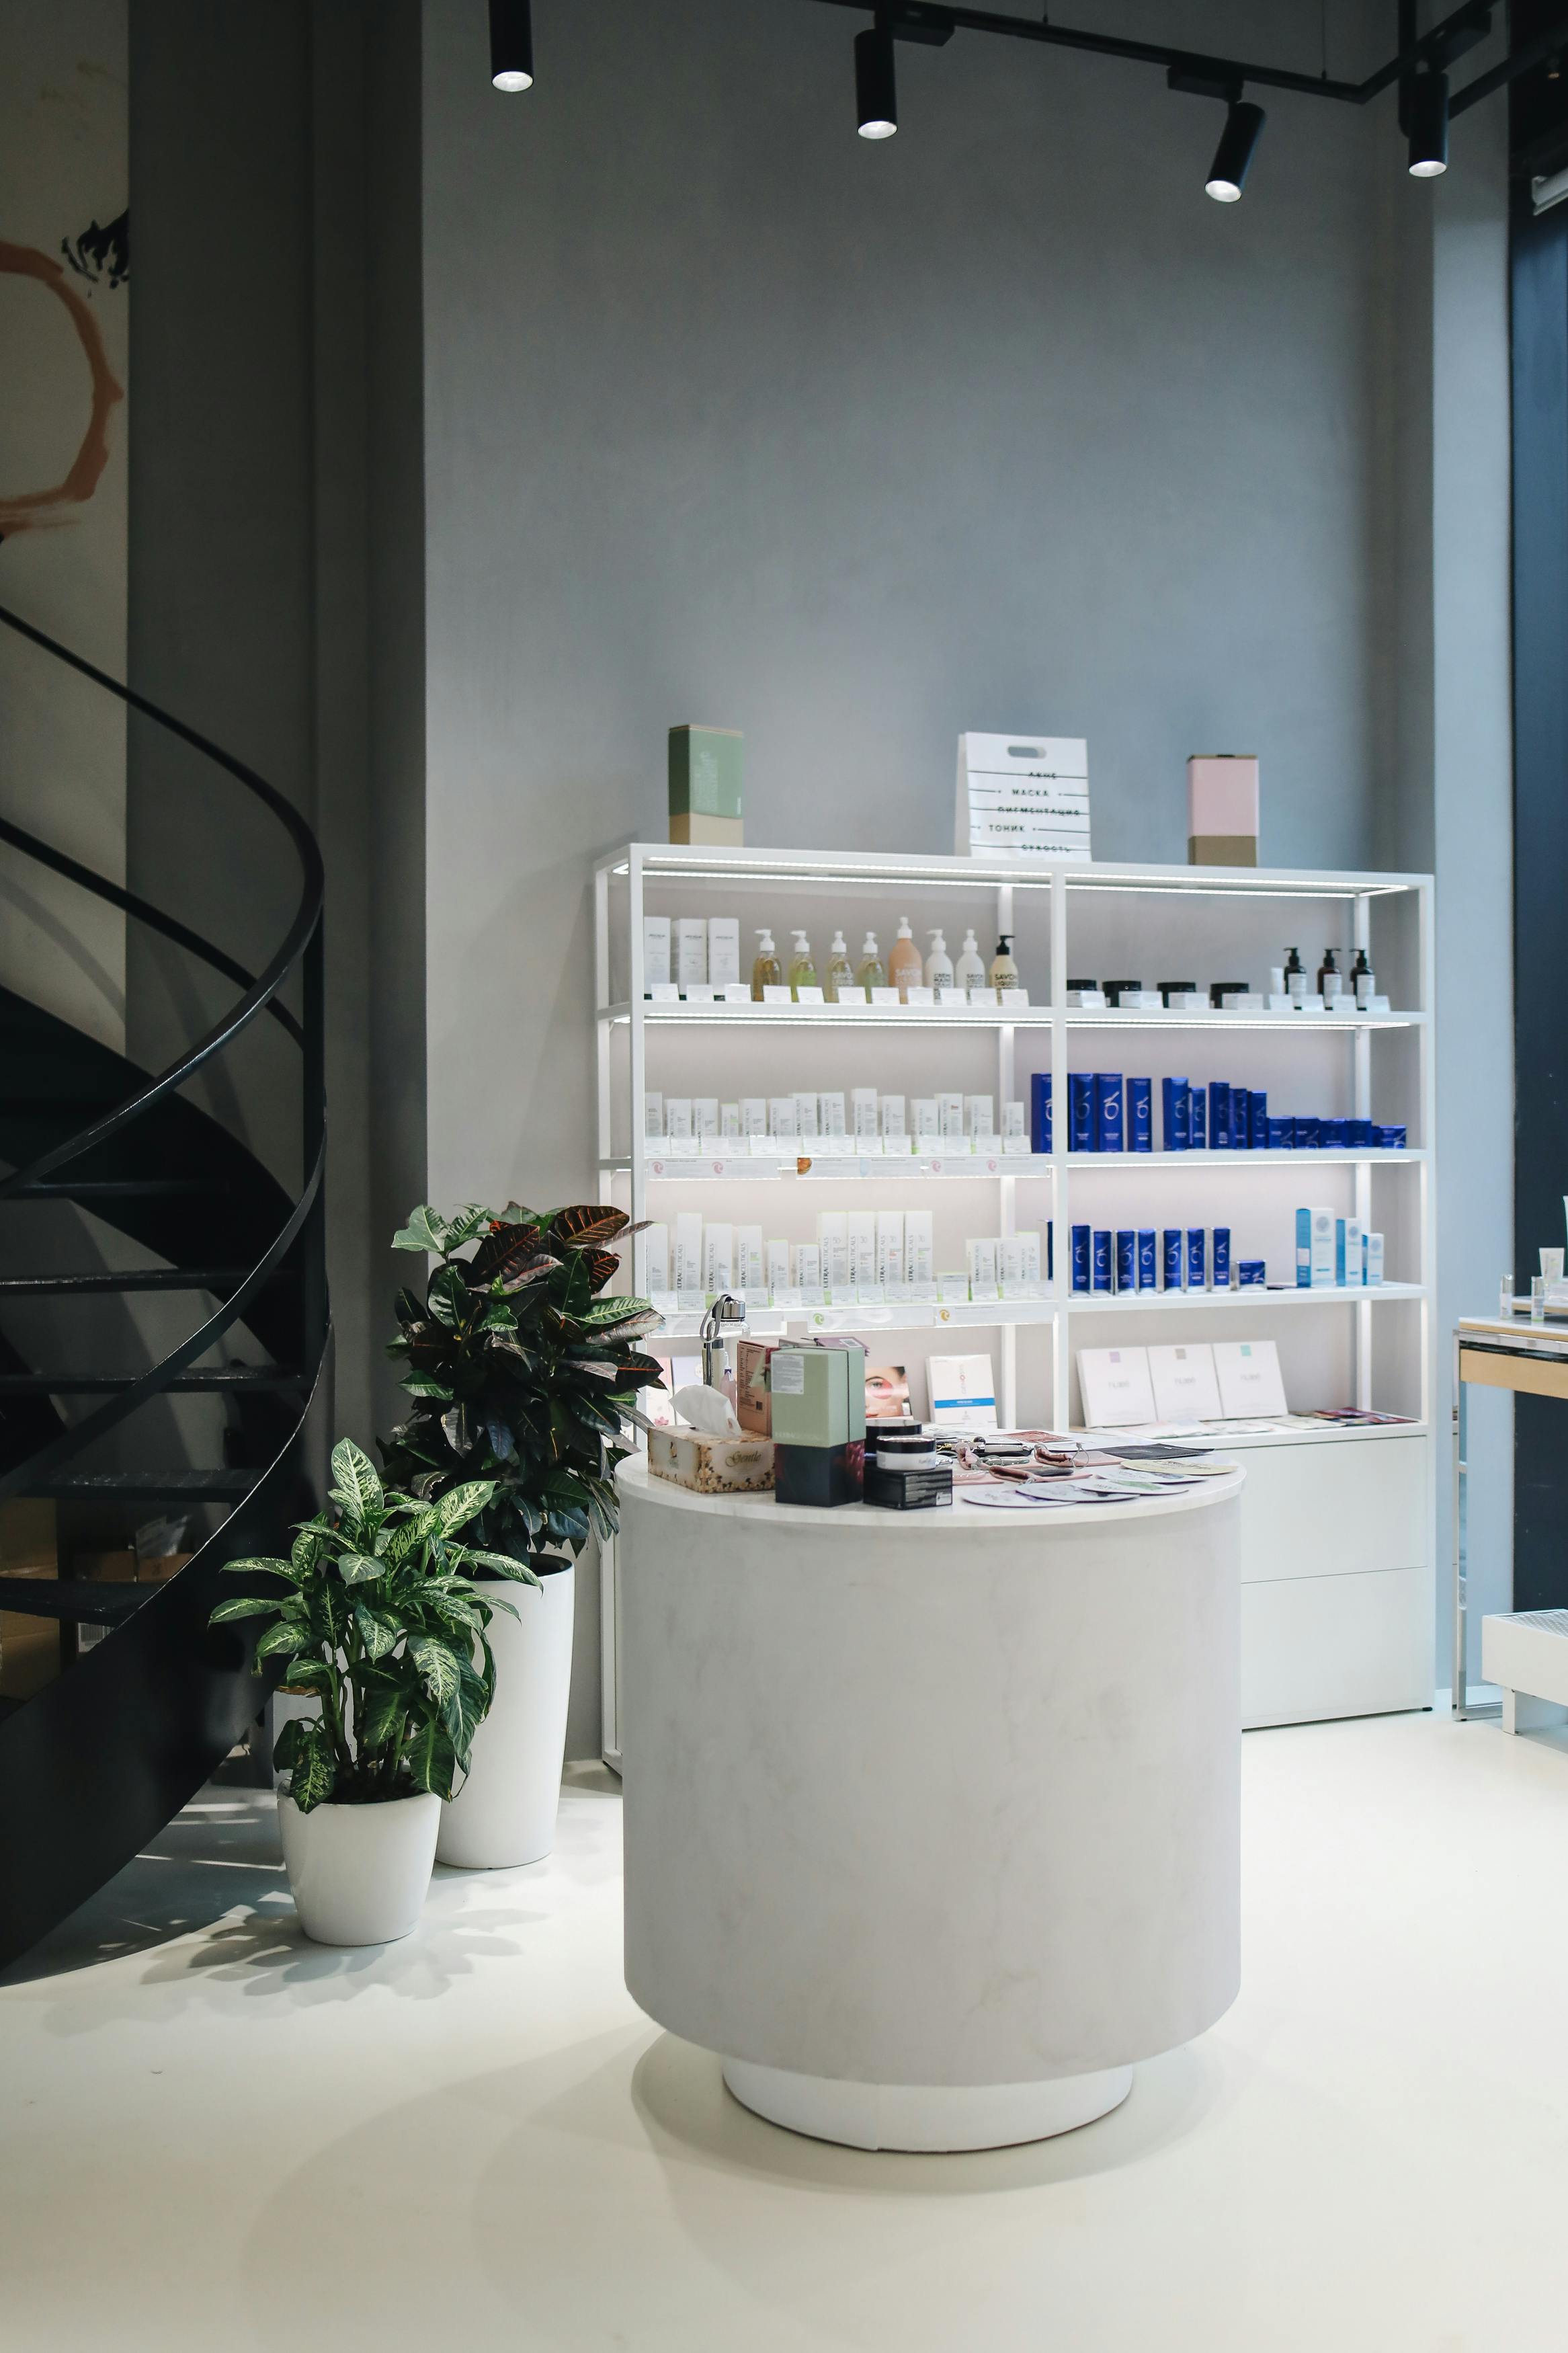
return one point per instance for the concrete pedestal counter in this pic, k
(931, 1818)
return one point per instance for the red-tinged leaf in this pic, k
(591, 1224)
(502, 1251)
(601, 1265)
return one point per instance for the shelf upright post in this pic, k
(1361, 1051)
(1061, 1205)
(1427, 1101)
(1006, 1186)
(602, 1067)
(638, 1074)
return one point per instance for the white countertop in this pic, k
(977, 1520)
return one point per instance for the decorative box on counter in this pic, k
(817, 1393)
(711, 1466)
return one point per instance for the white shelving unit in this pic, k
(1339, 1524)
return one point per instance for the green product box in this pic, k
(818, 1394)
(705, 772)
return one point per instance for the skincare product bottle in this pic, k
(970, 970)
(904, 968)
(870, 972)
(1004, 972)
(938, 964)
(1330, 981)
(691, 950)
(723, 950)
(1277, 980)
(765, 973)
(802, 971)
(840, 971)
(1295, 977)
(1364, 980)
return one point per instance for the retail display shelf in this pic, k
(660, 862)
(894, 1315)
(1242, 1441)
(1146, 1303)
(850, 1168)
(1212, 1016)
(986, 1017)
(1091, 1164)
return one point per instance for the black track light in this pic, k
(1428, 126)
(1232, 157)
(512, 44)
(875, 84)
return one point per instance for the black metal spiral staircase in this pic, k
(99, 1760)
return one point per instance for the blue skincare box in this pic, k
(1080, 1112)
(1140, 1114)
(1040, 1112)
(1147, 1259)
(1332, 1134)
(1108, 1111)
(1257, 1114)
(1173, 1096)
(1171, 1241)
(1195, 1258)
(1392, 1139)
(1357, 1134)
(1101, 1247)
(1080, 1250)
(1281, 1135)
(1222, 1257)
(1219, 1116)
(1196, 1119)
(1126, 1259)
(1251, 1273)
(1240, 1120)
(1308, 1138)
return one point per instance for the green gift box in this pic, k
(818, 1394)
(705, 784)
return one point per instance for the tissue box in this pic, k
(1222, 810)
(705, 784)
(714, 1466)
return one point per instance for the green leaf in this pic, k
(431, 1761)
(505, 1566)
(260, 1569)
(315, 1772)
(456, 1231)
(455, 1509)
(426, 1385)
(246, 1606)
(384, 1712)
(437, 1665)
(358, 1567)
(284, 1636)
(357, 1486)
(375, 1632)
(286, 1747)
(448, 1297)
(312, 1676)
(421, 1233)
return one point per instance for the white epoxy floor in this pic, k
(221, 2136)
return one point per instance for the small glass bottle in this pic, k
(840, 971)
(870, 972)
(1295, 977)
(1331, 979)
(765, 973)
(1364, 980)
(802, 971)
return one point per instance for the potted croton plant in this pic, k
(380, 1619)
(524, 1374)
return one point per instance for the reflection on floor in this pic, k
(218, 2134)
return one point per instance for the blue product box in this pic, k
(1394, 1139)
(1040, 1112)
(1080, 1112)
(1281, 1135)
(1196, 1239)
(1172, 1242)
(1358, 1133)
(1196, 1119)
(1257, 1115)
(1307, 1136)
(1173, 1098)
(1108, 1134)
(1251, 1273)
(1219, 1116)
(1332, 1134)
(1126, 1259)
(1240, 1120)
(1147, 1258)
(1222, 1257)
(1081, 1258)
(1100, 1250)
(1140, 1114)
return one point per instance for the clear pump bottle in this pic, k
(870, 972)
(765, 972)
(840, 971)
(802, 971)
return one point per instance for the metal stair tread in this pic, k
(148, 1486)
(218, 1279)
(89, 1601)
(116, 1188)
(231, 1378)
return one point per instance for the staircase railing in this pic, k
(96, 1762)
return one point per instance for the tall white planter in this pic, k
(505, 1812)
(359, 1875)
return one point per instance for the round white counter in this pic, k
(932, 1818)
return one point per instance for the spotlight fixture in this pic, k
(512, 44)
(1428, 126)
(1232, 157)
(876, 87)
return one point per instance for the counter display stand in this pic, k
(1338, 1522)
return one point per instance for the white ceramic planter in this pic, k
(505, 1812)
(359, 1873)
